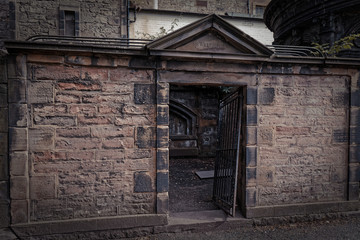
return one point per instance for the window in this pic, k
(201, 3)
(259, 10)
(69, 22)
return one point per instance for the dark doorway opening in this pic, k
(194, 136)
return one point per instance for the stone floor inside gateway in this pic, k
(187, 191)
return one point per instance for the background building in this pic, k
(22, 19)
(303, 23)
(150, 16)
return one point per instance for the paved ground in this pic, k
(6, 234)
(187, 191)
(348, 228)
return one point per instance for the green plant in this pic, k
(344, 43)
(162, 31)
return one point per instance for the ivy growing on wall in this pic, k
(344, 43)
(162, 31)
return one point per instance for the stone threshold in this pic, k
(217, 220)
(202, 221)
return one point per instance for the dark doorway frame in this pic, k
(241, 179)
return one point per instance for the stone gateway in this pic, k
(91, 128)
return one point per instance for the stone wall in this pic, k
(302, 139)
(296, 145)
(4, 166)
(25, 18)
(97, 18)
(88, 133)
(4, 21)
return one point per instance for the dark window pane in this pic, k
(69, 23)
(259, 10)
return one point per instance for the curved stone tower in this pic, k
(302, 22)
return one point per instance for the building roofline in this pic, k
(212, 22)
(16, 45)
(43, 48)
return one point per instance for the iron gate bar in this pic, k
(227, 153)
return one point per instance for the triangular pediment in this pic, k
(209, 42)
(211, 34)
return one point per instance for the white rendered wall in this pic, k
(151, 23)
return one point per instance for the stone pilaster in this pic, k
(162, 146)
(354, 156)
(4, 163)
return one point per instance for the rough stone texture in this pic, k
(19, 211)
(19, 163)
(90, 140)
(43, 187)
(302, 123)
(5, 216)
(4, 22)
(142, 182)
(96, 150)
(303, 140)
(4, 163)
(18, 115)
(144, 93)
(19, 188)
(18, 139)
(162, 204)
(4, 190)
(162, 182)
(162, 159)
(106, 228)
(97, 18)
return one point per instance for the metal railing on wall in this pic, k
(296, 51)
(279, 50)
(114, 42)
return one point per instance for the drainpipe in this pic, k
(156, 4)
(248, 6)
(124, 18)
(127, 18)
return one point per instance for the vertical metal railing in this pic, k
(227, 153)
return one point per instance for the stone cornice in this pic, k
(53, 48)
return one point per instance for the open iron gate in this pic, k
(227, 152)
